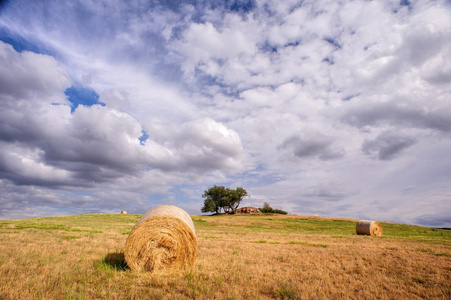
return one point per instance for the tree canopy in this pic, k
(219, 198)
(268, 209)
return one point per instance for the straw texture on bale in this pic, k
(163, 239)
(367, 227)
(123, 212)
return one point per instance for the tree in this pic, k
(214, 199)
(235, 197)
(219, 198)
(209, 205)
(268, 209)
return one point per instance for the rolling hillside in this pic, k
(239, 257)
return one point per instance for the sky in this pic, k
(318, 107)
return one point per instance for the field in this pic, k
(239, 257)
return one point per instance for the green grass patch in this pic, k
(266, 242)
(4, 224)
(429, 251)
(199, 221)
(335, 228)
(413, 232)
(307, 244)
(441, 254)
(291, 225)
(43, 226)
(425, 250)
(52, 226)
(87, 230)
(209, 236)
(91, 223)
(99, 223)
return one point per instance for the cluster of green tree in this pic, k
(219, 198)
(266, 209)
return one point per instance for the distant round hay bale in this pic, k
(367, 227)
(163, 239)
(123, 212)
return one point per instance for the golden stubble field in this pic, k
(239, 257)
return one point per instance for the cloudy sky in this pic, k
(336, 108)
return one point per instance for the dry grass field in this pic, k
(239, 257)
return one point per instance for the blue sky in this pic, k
(335, 108)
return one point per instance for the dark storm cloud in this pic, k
(309, 146)
(387, 145)
(398, 112)
(433, 220)
(324, 193)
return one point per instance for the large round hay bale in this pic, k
(367, 227)
(123, 212)
(163, 239)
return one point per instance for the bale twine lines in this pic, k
(163, 239)
(367, 227)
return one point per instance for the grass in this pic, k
(429, 251)
(308, 244)
(239, 257)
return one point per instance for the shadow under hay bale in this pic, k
(367, 227)
(116, 260)
(163, 239)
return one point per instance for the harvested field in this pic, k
(242, 257)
